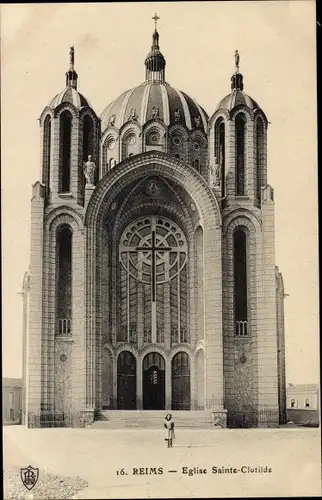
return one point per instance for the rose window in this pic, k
(153, 255)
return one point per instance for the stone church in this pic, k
(152, 283)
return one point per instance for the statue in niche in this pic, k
(155, 112)
(89, 171)
(215, 173)
(177, 115)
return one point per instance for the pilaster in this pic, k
(35, 355)
(266, 331)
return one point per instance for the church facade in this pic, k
(152, 282)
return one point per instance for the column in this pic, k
(139, 384)
(168, 384)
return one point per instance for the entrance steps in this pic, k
(152, 419)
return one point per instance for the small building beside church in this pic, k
(11, 400)
(152, 283)
(303, 403)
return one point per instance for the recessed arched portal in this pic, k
(126, 381)
(153, 382)
(181, 382)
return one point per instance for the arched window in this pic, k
(88, 144)
(196, 164)
(65, 151)
(88, 139)
(111, 163)
(240, 282)
(178, 144)
(129, 145)
(46, 153)
(259, 156)
(220, 150)
(181, 382)
(240, 130)
(64, 280)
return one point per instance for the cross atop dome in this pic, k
(155, 18)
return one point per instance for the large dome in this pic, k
(155, 100)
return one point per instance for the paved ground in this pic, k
(95, 455)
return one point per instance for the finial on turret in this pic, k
(237, 57)
(72, 57)
(237, 78)
(71, 75)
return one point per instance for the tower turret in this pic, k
(238, 138)
(155, 61)
(70, 133)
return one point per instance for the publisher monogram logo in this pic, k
(29, 477)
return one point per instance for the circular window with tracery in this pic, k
(131, 139)
(153, 250)
(153, 138)
(177, 140)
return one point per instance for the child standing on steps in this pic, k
(169, 429)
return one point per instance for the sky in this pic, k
(276, 42)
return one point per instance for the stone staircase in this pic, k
(152, 419)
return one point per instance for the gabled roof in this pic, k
(302, 388)
(11, 382)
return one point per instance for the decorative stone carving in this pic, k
(153, 188)
(132, 114)
(197, 121)
(155, 112)
(111, 120)
(89, 171)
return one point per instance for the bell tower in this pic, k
(238, 144)
(69, 134)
